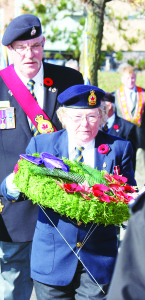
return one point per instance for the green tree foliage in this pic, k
(47, 11)
(141, 64)
(119, 55)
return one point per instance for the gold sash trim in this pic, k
(124, 106)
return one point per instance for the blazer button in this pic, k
(79, 223)
(79, 244)
(1, 206)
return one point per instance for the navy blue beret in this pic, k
(24, 27)
(81, 96)
(109, 97)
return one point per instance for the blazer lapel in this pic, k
(113, 131)
(102, 161)
(50, 100)
(61, 145)
(50, 95)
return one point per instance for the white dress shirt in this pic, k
(131, 97)
(110, 121)
(88, 152)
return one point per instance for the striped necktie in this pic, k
(105, 128)
(30, 86)
(79, 156)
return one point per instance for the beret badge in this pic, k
(33, 31)
(92, 99)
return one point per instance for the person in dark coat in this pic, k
(56, 271)
(26, 80)
(118, 126)
(128, 281)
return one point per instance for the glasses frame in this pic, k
(90, 118)
(33, 48)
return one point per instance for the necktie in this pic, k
(105, 128)
(132, 102)
(79, 156)
(30, 86)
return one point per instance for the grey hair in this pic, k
(61, 111)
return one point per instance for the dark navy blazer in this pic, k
(52, 260)
(18, 220)
(127, 131)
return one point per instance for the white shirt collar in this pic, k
(88, 152)
(130, 90)
(87, 146)
(111, 120)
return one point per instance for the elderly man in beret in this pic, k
(118, 126)
(56, 271)
(28, 103)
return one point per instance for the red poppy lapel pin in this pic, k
(103, 149)
(116, 127)
(48, 81)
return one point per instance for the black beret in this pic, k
(109, 97)
(24, 27)
(81, 96)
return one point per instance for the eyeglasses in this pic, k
(79, 118)
(23, 49)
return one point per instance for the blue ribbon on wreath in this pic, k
(49, 161)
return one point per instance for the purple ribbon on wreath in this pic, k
(49, 161)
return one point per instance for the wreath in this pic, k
(74, 190)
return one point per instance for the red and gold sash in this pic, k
(124, 106)
(32, 109)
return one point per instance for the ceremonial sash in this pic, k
(124, 106)
(26, 100)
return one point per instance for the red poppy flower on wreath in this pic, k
(100, 187)
(16, 167)
(48, 81)
(104, 198)
(128, 188)
(103, 149)
(70, 187)
(120, 179)
(116, 127)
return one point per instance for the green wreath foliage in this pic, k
(39, 185)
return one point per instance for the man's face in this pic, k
(82, 124)
(27, 55)
(129, 80)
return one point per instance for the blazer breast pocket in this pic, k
(42, 258)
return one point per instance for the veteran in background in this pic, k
(118, 126)
(129, 104)
(28, 103)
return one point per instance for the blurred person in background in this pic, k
(129, 105)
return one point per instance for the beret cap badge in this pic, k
(33, 31)
(92, 99)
